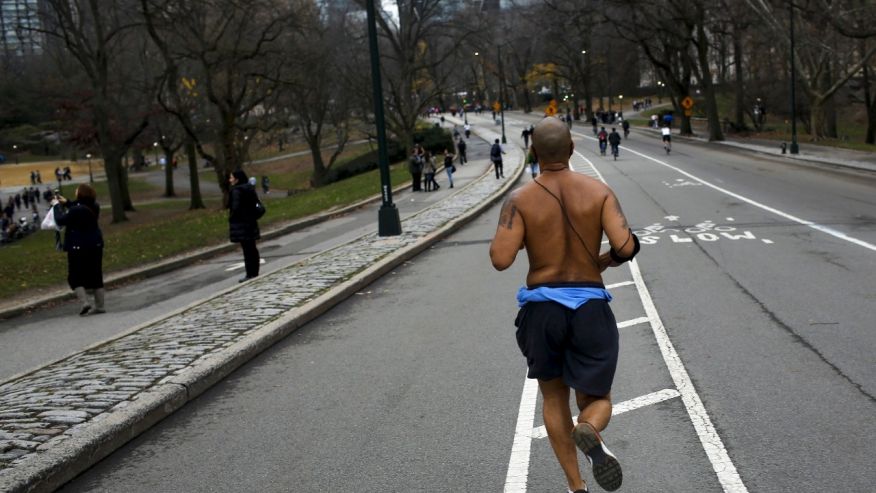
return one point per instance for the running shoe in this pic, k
(606, 468)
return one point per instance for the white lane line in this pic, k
(805, 222)
(645, 400)
(729, 478)
(635, 321)
(620, 284)
(623, 407)
(712, 443)
(518, 465)
(241, 265)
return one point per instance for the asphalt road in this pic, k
(756, 357)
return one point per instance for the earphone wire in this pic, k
(569, 221)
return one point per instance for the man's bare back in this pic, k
(562, 247)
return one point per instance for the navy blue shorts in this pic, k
(581, 346)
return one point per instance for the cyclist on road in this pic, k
(667, 138)
(626, 126)
(614, 139)
(602, 136)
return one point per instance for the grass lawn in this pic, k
(163, 229)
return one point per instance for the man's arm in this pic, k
(509, 235)
(623, 242)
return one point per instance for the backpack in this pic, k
(496, 152)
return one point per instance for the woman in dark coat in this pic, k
(83, 242)
(243, 225)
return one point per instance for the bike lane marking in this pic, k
(805, 222)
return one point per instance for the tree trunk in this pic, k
(816, 118)
(112, 164)
(168, 173)
(870, 104)
(715, 132)
(229, 160)
(320, 172)
(740, 83)
(196, 201)
(126, 193)
(527, 100)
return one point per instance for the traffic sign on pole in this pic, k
(687, 103)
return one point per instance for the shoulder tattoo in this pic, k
(506, 217)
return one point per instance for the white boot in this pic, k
(99, 295)
(83, 299)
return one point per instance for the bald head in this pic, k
(552, 141)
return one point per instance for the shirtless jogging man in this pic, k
(566, 329)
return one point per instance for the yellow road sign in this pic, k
(496, 106)
(550, 111)
(687, 103)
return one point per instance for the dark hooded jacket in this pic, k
(242, 224)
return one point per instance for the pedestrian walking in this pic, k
(83, 242)
(461, 146)
(39, 177)
(533, 163)
(243, 227)
(496, 157)
(467, 128)
(525, 135)
(266, 185)
(449, 168)
(565, 327)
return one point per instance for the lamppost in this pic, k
(15, 151)
(501, 92)
(795, 148)
(155, 151)
(621, 103)
(660, 86)
(90, 174)
(388, 222)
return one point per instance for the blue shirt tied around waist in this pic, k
(570, 295)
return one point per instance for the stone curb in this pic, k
(813, 160)
(19, 307)
(90, 442)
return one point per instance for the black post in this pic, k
(501, 92)
(388, 222)
(795, 149)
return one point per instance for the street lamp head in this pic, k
(155, 144)
(477, 53)
(88, 156)
(583, 52)
(621, 96)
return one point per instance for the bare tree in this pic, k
(317, 92)
(105, 42)
(233, 50)
(419, 56)
(825, 63)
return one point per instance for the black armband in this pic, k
(636, 247)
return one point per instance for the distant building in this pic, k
(18, 19)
